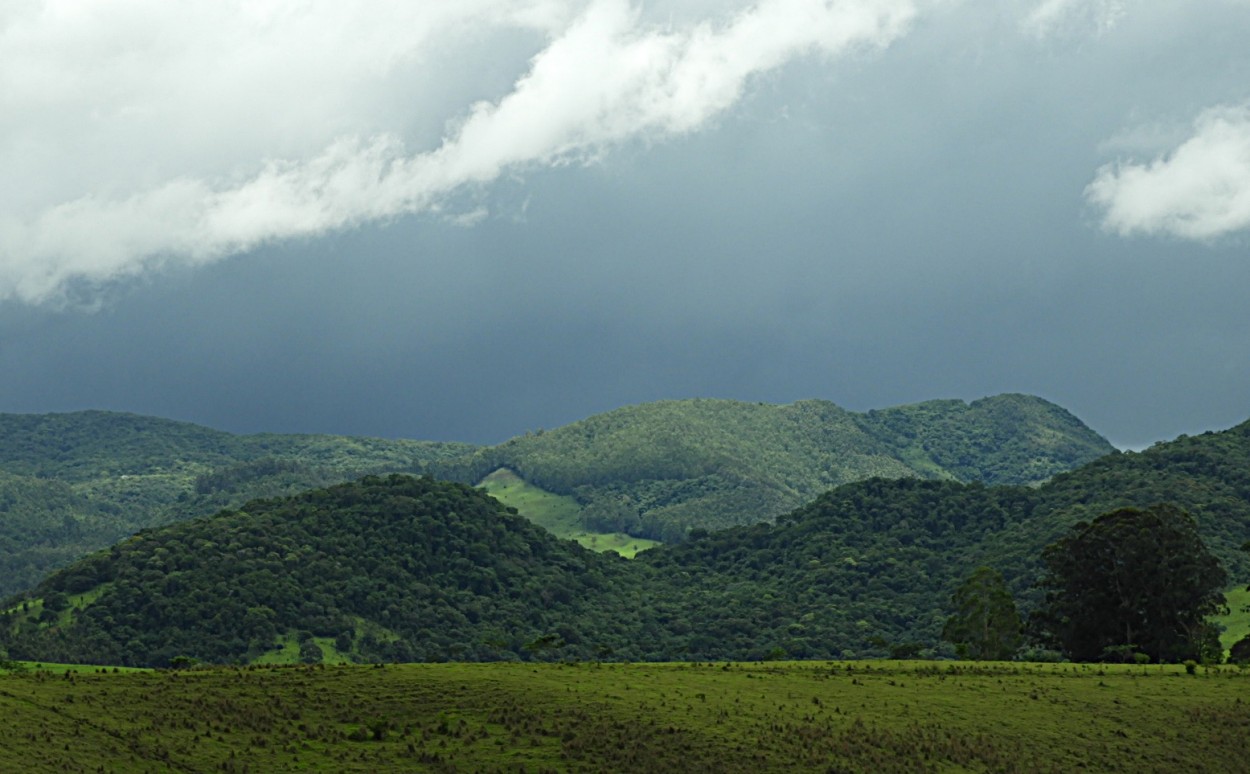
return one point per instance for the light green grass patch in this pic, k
(286, 652)
(558, 514)
(87, 597)
(626, 545)
(73, 602)
(30, 608)
(1237, 623)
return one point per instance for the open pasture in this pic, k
(794, 716)
(558, 514)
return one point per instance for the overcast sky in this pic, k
(462, 221)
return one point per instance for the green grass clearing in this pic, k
(288, 651)
(1237, 622)
(558, 514)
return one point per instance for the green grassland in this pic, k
(558, 514)
(792, 716)
(288, 651)
(1237, 623)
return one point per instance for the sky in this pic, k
(464, 221)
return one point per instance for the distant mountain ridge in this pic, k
(658, 470)
(75, 482)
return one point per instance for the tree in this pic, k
(1239, 653)
(1133, 581)
(986, 625)
(310, 652)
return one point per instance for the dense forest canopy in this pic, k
(76, 482)
(404, 568)
(72, 483)
(394, 568)
(659, 470)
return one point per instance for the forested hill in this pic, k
(72, 483)
(876, 561)
(1207, 475)
(1005, 439)
(394, 568)
(658, 470)
(403, 568)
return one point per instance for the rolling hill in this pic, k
(395, 568)
(658, 470)
(72, 483)
(402, 568)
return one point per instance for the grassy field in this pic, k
(812, 716)
(1237, 622)
(557, 514)
(289, 652)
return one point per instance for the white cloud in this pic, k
(140, 132)
(1201, 190)
(1052, 17)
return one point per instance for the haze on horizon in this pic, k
(461, 221)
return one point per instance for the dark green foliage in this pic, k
(660, 469)
(1132, 581)
(1240, 652)
(435, 569)
(45, 524)
(865, 565)
(864, 570)
(1206, 475)
(73, 483)
(1006, 439)
(310, 652)
(986, 625)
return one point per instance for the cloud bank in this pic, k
(1201, 190)
(143, 134)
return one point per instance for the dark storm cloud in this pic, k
(974, 209)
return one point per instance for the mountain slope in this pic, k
(1005, 439)
(1208, 475)
(391, 568)
(873, 563)
(657, 470)
(400, 568)
(81, 481)
(44, 524)
(651, 471)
